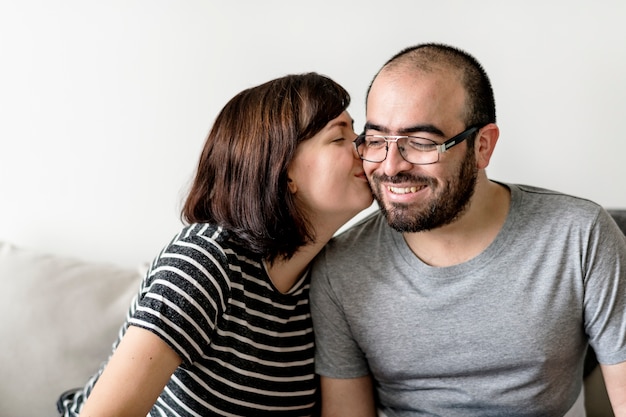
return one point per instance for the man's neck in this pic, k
(468, 235)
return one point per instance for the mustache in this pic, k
(403, 177)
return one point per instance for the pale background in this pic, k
(104, 105)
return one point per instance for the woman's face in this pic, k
(327, 175)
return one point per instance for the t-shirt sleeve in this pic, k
(337, 353)
(605, 291)
(184, 293)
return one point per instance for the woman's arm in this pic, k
(134, 377)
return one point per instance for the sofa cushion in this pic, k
(60, 317)
(619, 215)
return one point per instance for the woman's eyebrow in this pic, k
(341, 123)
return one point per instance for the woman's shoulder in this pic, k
(202, 240)
(215, 247)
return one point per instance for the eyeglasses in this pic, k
(416, 150)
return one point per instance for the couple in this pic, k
(479, 300)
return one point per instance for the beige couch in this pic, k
(61, 315)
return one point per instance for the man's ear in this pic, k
(485, 143)
(292, 186)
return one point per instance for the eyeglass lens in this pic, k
(415, 150)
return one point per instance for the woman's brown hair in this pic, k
(241, 181)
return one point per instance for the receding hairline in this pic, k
(450, 61)
(427, 59)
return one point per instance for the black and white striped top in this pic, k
(247, 349)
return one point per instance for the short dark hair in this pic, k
(481, 105)
(241, 180)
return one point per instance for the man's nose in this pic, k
(394, 162)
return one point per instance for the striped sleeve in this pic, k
(185, 292)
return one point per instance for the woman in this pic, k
(221, 325)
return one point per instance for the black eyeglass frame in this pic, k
(441, 148)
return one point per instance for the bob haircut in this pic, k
(241, 180)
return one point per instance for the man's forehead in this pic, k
(401, 100)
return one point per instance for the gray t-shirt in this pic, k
(503, 334)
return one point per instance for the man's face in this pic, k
(431, 105)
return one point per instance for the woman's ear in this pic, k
(485, 144)
(292, 186)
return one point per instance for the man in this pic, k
(482, 297)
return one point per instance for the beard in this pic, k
(447, 205)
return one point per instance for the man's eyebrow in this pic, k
(421, 128)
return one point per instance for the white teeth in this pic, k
(403, 190)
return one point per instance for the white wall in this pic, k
(104, 105)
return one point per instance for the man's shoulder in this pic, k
(555, 201)
(356, 240)
(366, 228)
(348, 257)
(536, 205)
